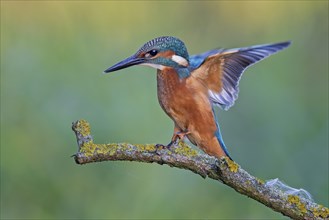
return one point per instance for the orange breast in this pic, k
(171, 95)
(186, 102)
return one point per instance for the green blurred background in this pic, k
(52, 57)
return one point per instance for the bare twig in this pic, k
(184, 157)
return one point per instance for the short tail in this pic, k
(220, 139)
(221, 142)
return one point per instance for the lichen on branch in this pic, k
(182, 156)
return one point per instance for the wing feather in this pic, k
(221, 69)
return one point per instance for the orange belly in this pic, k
(187, 104)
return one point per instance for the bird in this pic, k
(189, 87)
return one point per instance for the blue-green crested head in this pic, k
(159, 53)
(166, 44)
(164, 51)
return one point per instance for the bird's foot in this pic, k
(179, 135)
(159, 147)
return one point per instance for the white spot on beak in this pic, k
(180, 60)
(156, 66)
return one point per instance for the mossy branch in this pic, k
(184, 157)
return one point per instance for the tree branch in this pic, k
(182, 156)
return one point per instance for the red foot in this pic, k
(179, 135)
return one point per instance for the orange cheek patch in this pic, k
(142, 55)
(166, 54)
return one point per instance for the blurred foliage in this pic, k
(52, 57)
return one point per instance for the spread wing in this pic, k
(197, 59)
(220, 70)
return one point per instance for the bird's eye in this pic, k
(151, 53)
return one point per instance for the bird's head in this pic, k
(159, 53)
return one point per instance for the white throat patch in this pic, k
(180, 60)
(156, 66)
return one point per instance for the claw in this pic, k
(178, 135)
(161, 147)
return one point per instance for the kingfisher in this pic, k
(190, 86)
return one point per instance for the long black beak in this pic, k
(130, 61)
